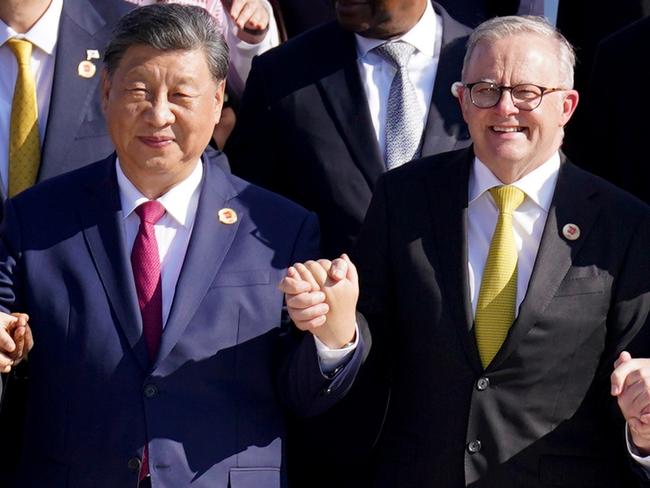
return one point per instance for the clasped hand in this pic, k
(321, 298)
(15, 339)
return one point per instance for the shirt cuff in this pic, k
(644, 461)
(330, 360)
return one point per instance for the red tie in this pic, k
(145, 262)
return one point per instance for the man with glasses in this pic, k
(507, 292)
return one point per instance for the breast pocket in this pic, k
(242, 278)
(254, 478)
(583, 280)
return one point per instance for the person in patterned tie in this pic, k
(507, 292)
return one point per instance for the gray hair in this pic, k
(169, 27)
(502, 27)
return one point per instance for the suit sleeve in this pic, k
(10, 244)
(303, 387)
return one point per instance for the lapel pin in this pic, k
(571, 231)
(87, 68)
(227, 216)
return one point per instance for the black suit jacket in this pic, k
(614, 133)
(304, 127)
(546, 418)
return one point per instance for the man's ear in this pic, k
(106, 88)
(569, 105)
(219, 97)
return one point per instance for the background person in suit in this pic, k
(151, 282)
(501, 283)
(312, 124)
(613, 132)
(67, 39)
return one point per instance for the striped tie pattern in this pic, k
(495, 311)
(404, 123)
(24, 140)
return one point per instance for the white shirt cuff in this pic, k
(330, 359)
(644, 461)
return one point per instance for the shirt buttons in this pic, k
(150, 391)
(474, 446)
(482, 384)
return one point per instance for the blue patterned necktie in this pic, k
(404, 124)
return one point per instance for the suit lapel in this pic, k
(209, 243)
(71, 93)
(448, 208)
(343, 92)
(103, 231)
(574, 202)
(445, 126)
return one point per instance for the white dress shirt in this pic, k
(173, 230)
(377, 73)
(173, 233)
(43, 35)
(527, 221)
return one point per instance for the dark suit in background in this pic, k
(614, 131)
(542, 409)
(299, 15)
(304, 127)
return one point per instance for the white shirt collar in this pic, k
(176, 201)
(44, 32)
(538, 185)
(422, 35)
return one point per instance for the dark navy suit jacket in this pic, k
(212, 405)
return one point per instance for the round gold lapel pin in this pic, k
(86, 69)
(227, 216)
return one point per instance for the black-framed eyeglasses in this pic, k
(525, 96)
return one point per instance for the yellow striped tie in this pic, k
(24, 141)
(495, 310)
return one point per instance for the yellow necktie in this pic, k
(24, 143)
(495, 310)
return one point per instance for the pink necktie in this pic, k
(145, 262)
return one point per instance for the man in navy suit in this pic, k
(161, 356)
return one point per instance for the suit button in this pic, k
(150, 391)
(474, 446)
(134, 464)
(482, 384)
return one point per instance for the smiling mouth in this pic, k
(507, 129)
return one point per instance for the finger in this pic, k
(311, 325)
(619, 375)
(5, 361)
(19, 340)
(318, 270)
(352, 275)
(307, 276)
(305, 300)
(634, 400)
(244, 16)
(308, 314)
(339, 269)
(29, 340)
(6, 342)
(294, 286)
(622, 358)
(234, 8)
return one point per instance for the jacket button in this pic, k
(134, 464)
(150, 391)
(482, 384)
(474, 446)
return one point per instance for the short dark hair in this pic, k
(169, 27)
